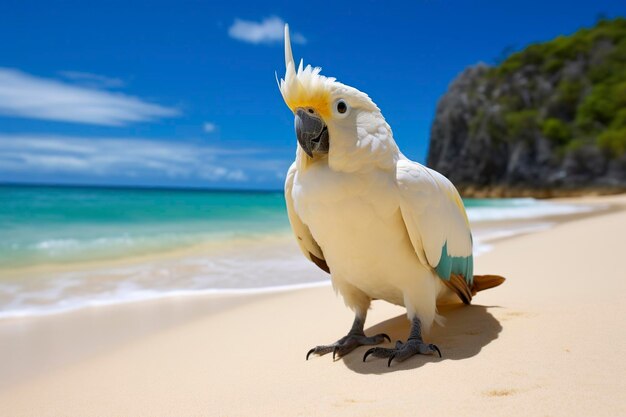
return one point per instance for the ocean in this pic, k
(63, 248)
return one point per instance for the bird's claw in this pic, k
(347, 344)
(402, 351)
(437, 349)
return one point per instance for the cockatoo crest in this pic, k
(306, 87)
(359, 136)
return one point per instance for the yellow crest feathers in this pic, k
(304, 87)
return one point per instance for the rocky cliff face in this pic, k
(549, 120)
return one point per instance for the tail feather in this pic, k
(484, 282)
(465, 292)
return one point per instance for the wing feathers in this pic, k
(308, 245)
(319, 262)
(435, 219)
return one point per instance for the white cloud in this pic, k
(132, 158)
(209, 127)
(25, 95)
(92, 80)
(237, 175)
(270, 30)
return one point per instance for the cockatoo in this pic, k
(383, 226)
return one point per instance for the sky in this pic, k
(183, 93)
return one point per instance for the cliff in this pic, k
(549, 120)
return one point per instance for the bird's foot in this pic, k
(403, 351)
(347, 344)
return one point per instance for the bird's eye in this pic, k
(342, 107)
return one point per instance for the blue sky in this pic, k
(182, 93)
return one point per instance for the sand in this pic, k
(551, 341)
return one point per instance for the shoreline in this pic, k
(548, 193)
(164, 296)
(487, 233)
(195, 249)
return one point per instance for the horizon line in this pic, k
(138, 187)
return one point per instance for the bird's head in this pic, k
(333, 119)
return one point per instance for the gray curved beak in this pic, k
(311, 132)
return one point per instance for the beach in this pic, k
(550, 341)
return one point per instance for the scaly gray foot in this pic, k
(403, 351)
(347, 344)
(414, 346)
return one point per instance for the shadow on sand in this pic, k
(467, 330)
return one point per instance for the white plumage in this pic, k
(386, 227)
(366, 226)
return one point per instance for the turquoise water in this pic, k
(61, 224)
(47, 225)
(66, 225)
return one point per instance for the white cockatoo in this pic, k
(383, 226)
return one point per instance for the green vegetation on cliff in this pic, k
(553, 114)
(590, 106)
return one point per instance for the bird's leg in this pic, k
(414, 345)
(355, 338)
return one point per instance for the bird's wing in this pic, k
(308, 245)
(436, 222)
